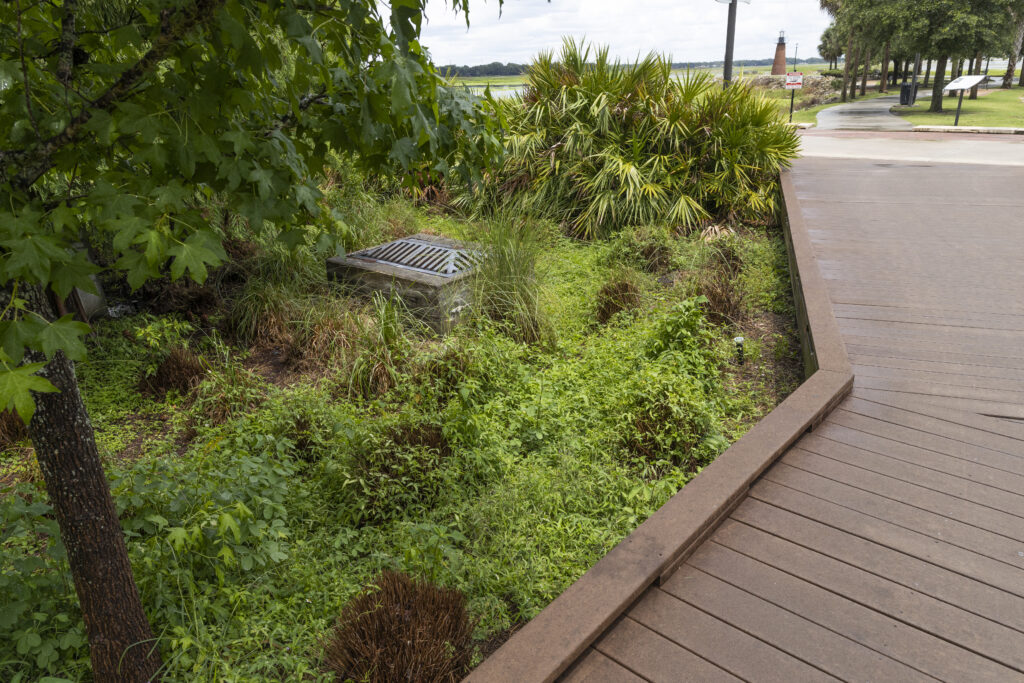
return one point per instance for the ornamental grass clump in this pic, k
(597, 145)
(400, 629)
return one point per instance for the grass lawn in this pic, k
(740, 72)
(1001, 108)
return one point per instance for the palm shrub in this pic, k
(597, 144)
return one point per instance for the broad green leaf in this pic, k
(63, 335)
(17, 385)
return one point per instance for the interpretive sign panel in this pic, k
(965, 82)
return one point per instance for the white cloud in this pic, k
(689, 30)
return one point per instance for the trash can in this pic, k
(906, 94)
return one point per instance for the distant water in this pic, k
(499, 91)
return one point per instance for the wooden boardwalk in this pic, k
(887, 543)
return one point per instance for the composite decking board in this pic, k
(917, 315)
(941, 390)
(981, 355)
(949, 410)
(785, 630)
(974, 430)
(953, 447)
(951, 369)
(940, 462)
(954, 507)
(956, 628)
(914, 573)
(939, 377)
(654, 657)
(973, 565)
(942, 528)
(903, 353)
(899, 641)
(958, 487)
(733, 650)
(594, 667)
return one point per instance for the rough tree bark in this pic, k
(846, 63)
(1018, 42)
(121, 642)
(867, 68)
(940, 75)
(883, 81)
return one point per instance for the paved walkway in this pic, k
(863, 115)
(887, 544)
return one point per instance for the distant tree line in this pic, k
(492, 69)
(513, 69)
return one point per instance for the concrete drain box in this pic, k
(430, 274)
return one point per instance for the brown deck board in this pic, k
(895, 639)
(785, 630)
(945, 585)
(654, 657)
(948, 623)
(594, 667)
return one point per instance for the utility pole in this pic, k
(796, 51)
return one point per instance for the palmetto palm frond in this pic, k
(598, 144)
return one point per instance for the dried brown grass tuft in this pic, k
(12, 429)
(401, 629)
(181, 371)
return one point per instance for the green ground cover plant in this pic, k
(267, 491)
(1003, 108)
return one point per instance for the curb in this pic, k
(980, 130)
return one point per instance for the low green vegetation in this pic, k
(312, 485)
(1003, 108)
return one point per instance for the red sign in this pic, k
(794, 81)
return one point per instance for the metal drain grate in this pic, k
(422, 256)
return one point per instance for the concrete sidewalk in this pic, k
(989, 150)
(863, 115)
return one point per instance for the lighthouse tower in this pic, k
(779, 67)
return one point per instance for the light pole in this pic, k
(730, 40)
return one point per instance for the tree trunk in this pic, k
(940, 74)
(854, 71)
(976, 70)
(121, 642)
(883, 80)
(867, 68)
(846, 63)
(927, 73)
(895, 72)
(1018, 42)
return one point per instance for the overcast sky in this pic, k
(689, 30)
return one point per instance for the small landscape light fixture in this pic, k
(739, 349)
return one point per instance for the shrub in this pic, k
(400, 629)
(647, 247)
(718, 281)
(597, 145)
(621, 293)
(668, 419)
(389, 472)
(683, 331)
(507, 287)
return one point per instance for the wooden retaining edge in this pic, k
(544, 648)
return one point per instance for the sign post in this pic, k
(963, 84)
(794, 82)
